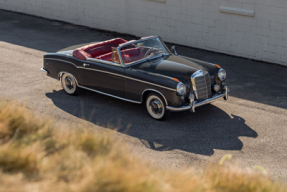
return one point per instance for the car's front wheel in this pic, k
(156, 106)
(69, 84)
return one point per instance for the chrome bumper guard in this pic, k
(44, 70)
(193, 104)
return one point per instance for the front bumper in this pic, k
(193, 104)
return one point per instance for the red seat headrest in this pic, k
(80, 54)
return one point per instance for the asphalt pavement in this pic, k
(251, 125)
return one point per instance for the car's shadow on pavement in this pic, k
(201, 132)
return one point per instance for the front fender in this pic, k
(139, 82)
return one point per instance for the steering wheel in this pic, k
(149, 52)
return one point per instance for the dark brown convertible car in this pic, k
(138, 71)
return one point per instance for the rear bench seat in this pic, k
(106, 57)
(98, 49)
(103, 51)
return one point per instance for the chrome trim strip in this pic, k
(197, 104)
(116, 75)
(156, 92)
(151, 84)
(62, 61)
(62, 72)
(44, 70)
(90, 59)
(137, 102)
(104, 62)
(91, 69)
(128, 78)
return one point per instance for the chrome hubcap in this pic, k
(156, 107)
(69, 83)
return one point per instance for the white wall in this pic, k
(196, 23)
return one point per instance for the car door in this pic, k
(104, 76)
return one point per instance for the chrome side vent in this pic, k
(201, 84)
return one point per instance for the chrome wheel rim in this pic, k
(155, 107)
(68, 83)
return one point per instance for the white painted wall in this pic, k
(196, 23)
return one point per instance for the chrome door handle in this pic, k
(86, 65)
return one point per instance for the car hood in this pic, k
(176, 66)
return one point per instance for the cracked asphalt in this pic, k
(251, 125)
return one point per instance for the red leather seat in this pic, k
(133, 54)
(81, 54)
(106, 57)
(128, 55)
(97, 49)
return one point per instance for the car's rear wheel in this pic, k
(69, 84)
(156, 106)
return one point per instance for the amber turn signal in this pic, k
(217, 65)
(175, 79)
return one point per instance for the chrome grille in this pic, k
(201, 84)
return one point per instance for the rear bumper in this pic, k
(193, 104)
(44, 71)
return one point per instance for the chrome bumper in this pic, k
(193, 104)
(44, 70)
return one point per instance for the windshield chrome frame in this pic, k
(138, 41)
(120, 57)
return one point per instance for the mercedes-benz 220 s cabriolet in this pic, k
(138, 71)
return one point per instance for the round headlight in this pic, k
(180, 88)
(221, 74)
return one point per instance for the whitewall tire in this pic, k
(156, 106)
(69, 84)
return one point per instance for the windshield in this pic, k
(143, 49)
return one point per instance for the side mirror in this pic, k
(173, 49)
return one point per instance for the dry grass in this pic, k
(35, 156)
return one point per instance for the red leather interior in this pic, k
(97, 49)
(133, 54)
(107, 57)
(128, 55)
(80, 54)
(103, 51)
